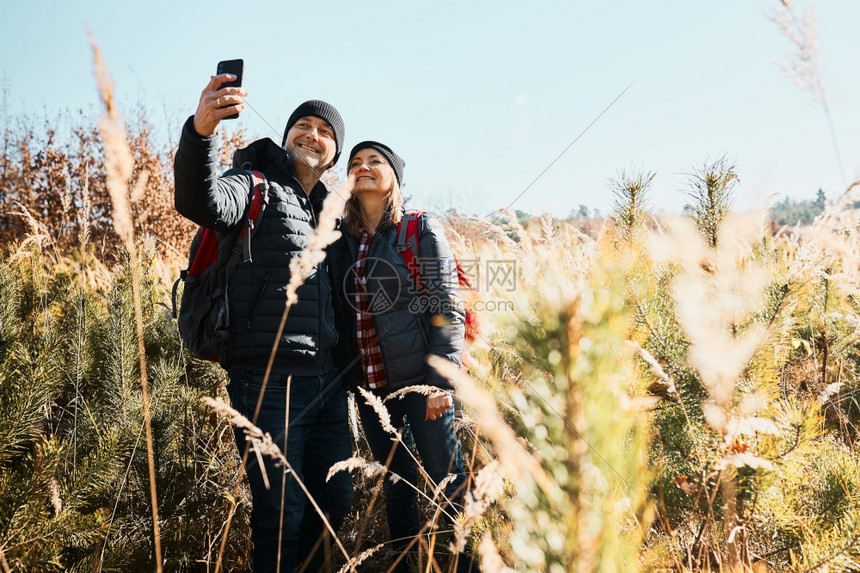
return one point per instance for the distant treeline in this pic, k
(791, 212)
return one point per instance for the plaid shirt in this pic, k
(372, 373)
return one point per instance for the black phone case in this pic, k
(235, 67)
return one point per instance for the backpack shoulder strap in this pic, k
(242, 247)
(407, 243)
(259, 201)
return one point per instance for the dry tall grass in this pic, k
(659, 397)
(802, 64)
(118, 169)
(670, 393)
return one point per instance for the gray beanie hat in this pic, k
(396, 162)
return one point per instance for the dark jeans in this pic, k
(318, 437)
(439, 449)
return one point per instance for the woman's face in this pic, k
(372, 172)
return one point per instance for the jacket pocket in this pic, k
(261, 293)
(421, 325)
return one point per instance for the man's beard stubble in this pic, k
(293, 156)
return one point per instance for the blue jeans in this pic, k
(440, 454)
(318, 437)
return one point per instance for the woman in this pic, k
(387, 336)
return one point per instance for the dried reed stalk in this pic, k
(423, 389)
(3, 563)
(358, 559)
(803, 65)
(118, 168)
(513, 457)
(263, 443)
(384, 416)
(368, 468)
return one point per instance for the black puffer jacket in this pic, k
(408, 327)
(257, 289)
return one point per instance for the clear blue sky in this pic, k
(479, 97)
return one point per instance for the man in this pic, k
(318, 433)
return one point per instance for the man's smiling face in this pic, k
(311, 141)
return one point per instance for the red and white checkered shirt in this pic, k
(373, 376)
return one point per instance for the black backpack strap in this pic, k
(401, 232)
(183, 274)
(242, 247)
(259, 202)
(231, 266)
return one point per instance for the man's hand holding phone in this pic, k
(218, 103)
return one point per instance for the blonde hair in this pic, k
(353, 219)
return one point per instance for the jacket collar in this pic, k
(262, 155)
(267, 156)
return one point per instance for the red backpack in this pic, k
(407, 244)
(204, 311)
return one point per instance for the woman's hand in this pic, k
(438, 405)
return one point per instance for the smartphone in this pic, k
(235, 67)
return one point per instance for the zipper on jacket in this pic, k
(305, 199)
(325, 303)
